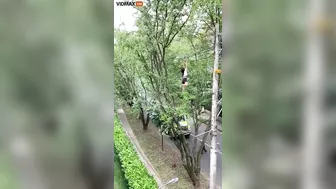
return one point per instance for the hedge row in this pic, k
(136, 173)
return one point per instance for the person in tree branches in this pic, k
(184, 73)
(203, 149)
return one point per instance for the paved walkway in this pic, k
(133, 139)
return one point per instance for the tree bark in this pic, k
(144, 119)
(197, 182)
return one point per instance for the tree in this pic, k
(160, 46)
(130, 86)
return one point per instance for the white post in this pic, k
(313, 104)
(213, 155)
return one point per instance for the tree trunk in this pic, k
(197, 182)
(191, 159)
(145, 126)
(195, 178)
(144, 119)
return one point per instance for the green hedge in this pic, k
(120, 181)
(135, 172)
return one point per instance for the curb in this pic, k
(137, 147)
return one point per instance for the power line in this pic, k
(208, 145)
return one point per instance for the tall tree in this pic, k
(160, 24)
(129, 83)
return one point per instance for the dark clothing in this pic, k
(184, 80)
(203, 149)
(182, 71)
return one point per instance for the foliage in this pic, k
(135, 172)
(155, 117)
(149, 62)
(120, 181)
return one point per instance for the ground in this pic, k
(167, 162)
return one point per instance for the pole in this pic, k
(313, 104)
(213, 155)
(162, 141)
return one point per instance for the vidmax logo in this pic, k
(139, 3)
(130, 3)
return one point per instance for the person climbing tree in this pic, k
(203, 150)
(184, 75)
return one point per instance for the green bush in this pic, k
(135, 172)
(120, 181)
(155, 117)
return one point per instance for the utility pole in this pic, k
(213, 155)
(313, 104)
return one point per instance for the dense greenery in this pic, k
(148, 61)
(135, 172)
(120, 181)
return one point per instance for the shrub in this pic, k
(155, 117)
(136, 173)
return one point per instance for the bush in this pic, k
(136, 173)
(155, 117)
(120, 181)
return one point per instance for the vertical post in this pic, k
(213, 155)
(313, 104)
(162, 141)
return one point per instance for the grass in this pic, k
(167, 163)
(119, 179)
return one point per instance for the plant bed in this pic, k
(120, 181)
(136, 173)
